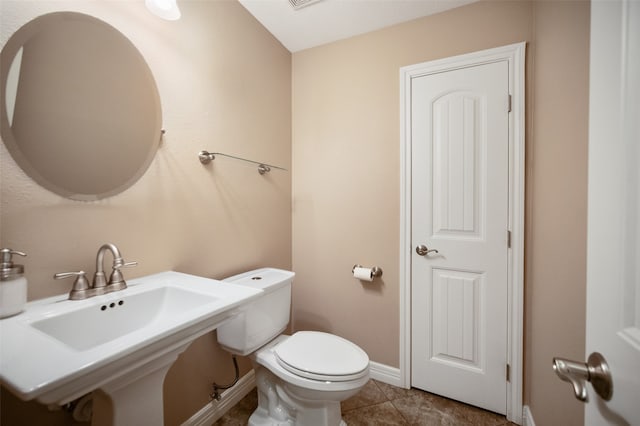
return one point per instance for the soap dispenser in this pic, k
(13, 284)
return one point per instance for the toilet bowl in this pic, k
(302, 378)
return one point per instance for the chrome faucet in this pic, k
(81, 288)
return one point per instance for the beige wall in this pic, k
(555, 294)
(225, 85)
(346, 180)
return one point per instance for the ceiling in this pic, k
(330, 20)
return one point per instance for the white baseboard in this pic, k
(527, 417)
(211, 412)
(385, 374)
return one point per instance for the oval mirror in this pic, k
(80, 110)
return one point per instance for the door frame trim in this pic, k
(515, 55)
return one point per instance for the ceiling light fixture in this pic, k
(166, 9)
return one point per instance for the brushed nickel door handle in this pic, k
(423, 250)
(595, 370)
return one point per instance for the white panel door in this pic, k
(460, 205)
(613, 254)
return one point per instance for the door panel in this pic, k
(456, 139)
(456, 318)
(613, 249)
(459, 137)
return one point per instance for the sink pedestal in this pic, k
(135, 398)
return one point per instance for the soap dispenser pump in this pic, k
(13, 284)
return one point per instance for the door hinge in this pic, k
(508, 239)
(508, 373)
(509, 104)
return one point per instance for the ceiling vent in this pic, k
(299, 4)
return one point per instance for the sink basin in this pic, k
(58, 350)
(97, 324)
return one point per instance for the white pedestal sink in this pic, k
(121, 344)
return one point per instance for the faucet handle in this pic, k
(116, 280)
(81, 287)
(125, 265)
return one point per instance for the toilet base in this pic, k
(278, 407)
(261, 417)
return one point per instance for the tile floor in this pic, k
(382, 404)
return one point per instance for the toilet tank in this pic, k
(262, 319)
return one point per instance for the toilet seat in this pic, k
(322, 356)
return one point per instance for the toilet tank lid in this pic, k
(264, 278)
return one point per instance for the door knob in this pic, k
(595, 370)
(423, 250)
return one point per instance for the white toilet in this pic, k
(302, 378)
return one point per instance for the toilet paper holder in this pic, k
(376, 271)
